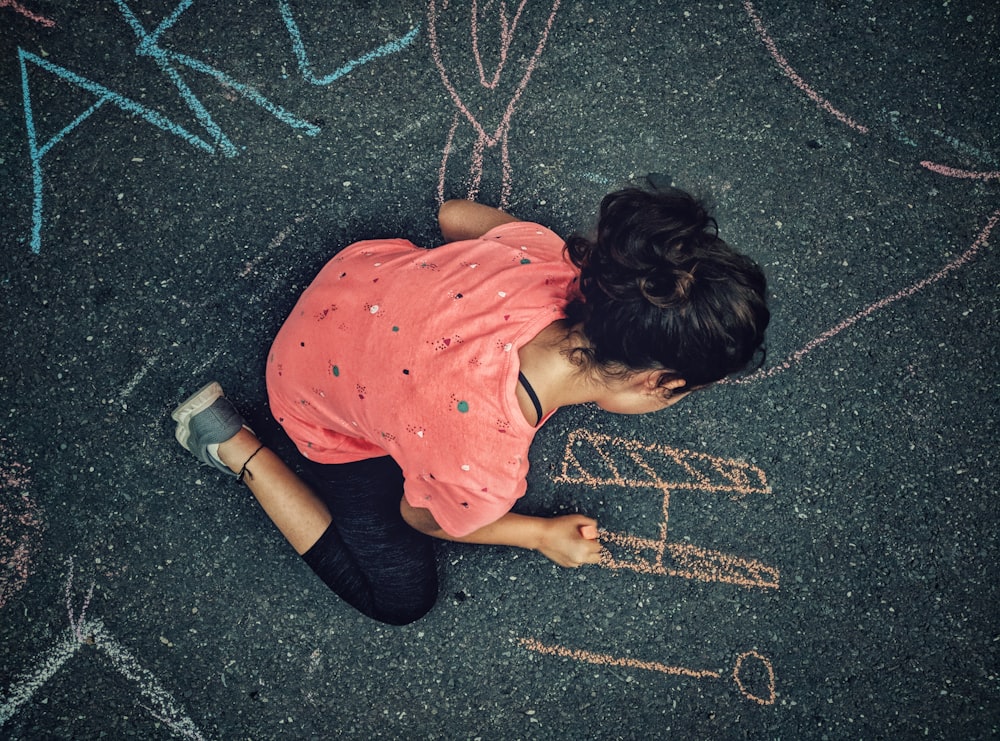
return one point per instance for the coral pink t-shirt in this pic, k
(397, 350)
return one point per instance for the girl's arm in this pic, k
(460, 219)
(557, 538)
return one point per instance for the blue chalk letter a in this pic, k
(104, 95)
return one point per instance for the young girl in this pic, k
(412, 381)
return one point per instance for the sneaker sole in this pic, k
(197, 402)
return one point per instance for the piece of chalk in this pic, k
(589, 532)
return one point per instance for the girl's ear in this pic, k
(659, 380)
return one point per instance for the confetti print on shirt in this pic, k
(362, 390)
(416, 430)
(459, 405)
(321, 315)
(445, 342)
(375, 310)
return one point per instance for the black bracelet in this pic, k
(243, 471)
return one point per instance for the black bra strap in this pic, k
(531, 395)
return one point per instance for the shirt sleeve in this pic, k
(458, 509)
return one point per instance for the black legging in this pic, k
(369, 556)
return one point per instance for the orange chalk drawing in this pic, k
(764, 695)
(665, 470)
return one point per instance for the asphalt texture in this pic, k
(810, 554)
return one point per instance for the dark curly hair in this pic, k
(659, 289)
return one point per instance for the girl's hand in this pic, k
(562, 542)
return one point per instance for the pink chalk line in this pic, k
(981, 241)
(20, 525)
(507, 29)
(31, 16)
(251, 265)
(500, 135)
(794, 76)
(955, 173)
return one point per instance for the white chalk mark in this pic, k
(137, 378)
(92, 633)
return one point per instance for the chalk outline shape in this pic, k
(483, 139)
(691, 561)
(86, 632)
(29, 14)
(302, 57)
(600, 659)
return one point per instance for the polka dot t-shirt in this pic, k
(397, 350)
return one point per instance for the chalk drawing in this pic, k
(952, 172)
(764, 695)
(251, 265)
(967, 149)
(903, 137)
(30, 15)
(104, 95)
(500, 135)
(166, 59)
(137, 378)
(84, 631)
(170, 63)
(794, 76)
(302, 57)
(981, 241)
(20, 525)
(589, 460)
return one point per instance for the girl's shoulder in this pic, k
(523, 230)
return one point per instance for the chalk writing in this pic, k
(30, 15)
(83, 631)
(305, 66)
(20, 526)
(792, 75)
(981, 241)
(765, 695)
(589, 460)
(500, 135)
(170, 63)
(38, 150)
(166, 60)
